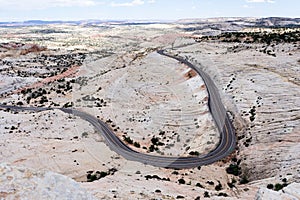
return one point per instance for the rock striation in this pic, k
(25, 183)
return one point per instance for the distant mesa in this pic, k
(23, 48)
(214, 22)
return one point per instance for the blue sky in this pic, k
(20, 10)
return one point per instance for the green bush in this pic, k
(270, 186)
(128, 140)
(194, 153)
(233, 169)
(231, 184)
(219, 187)
(206, 195)
(223, 194)
(199, 185)
(278, 186)
(244, 180)
(136, 144)
(181, 181)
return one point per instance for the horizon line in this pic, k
(144, 20)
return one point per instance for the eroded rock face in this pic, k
(291, 192)
(17, 49)
(25, 183)
(262, 92)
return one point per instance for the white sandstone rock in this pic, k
(25, 183)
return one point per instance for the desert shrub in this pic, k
(206, 195)
(270, 186)
(181, 181)
(233, 169)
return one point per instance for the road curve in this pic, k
(219, 114)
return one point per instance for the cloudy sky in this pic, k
(20, 10)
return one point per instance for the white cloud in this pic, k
(64, 3)
(128, 4)
(151, 1)
(260, 1)
(247, 6)
(42, 4)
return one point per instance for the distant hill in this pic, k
(222, 23)
(80, 22)
(246, 22)
(215, 26)
(36, 23)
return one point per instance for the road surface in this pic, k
(227, 134)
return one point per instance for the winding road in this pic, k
(227, 134)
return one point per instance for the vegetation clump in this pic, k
(278, 186)
(233, 169)
(219, 187)
(181, 181)
(156, 177)
(93, 176)
(194, 153)
(255, 37)
(206, 194)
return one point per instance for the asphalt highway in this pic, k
(227, 134)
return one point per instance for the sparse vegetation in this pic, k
(255, 37)
(253, 113)
(210, 182)
(84, 135)
(194, 153)
(278, 186)
(137, 145)
(127, 139)
(156, 177)
(181, 181)
(233, 169)
(244, 180)
(206, 194)
(199, 185)
(232, 183)
(93, 176)
(270, 186)
(68, 105)
(222, 194)
(219, 187)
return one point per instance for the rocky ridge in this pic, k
(26, 183)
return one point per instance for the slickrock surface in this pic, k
(291, 192)
(262, 92)
(153, 103)
(156, 97)
(25, 183)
